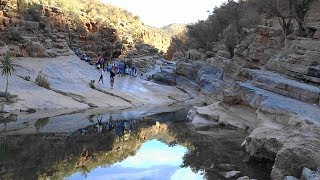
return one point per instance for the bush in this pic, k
(13, 35)
(91, 84)
(33, 13)
(42, 81)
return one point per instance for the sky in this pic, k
(154, 160)
(160, 13)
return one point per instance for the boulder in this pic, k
(232, 174)
(186, 69)
(210, 54)
(193, 54)
(316, 35)
(307, 174)
(165, 78)
(177, 55)
(294, 156)
(224, 54)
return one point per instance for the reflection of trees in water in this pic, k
(58, 155)
(4, 150)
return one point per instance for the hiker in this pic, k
(100, 67)
(112, 76)
(101, 62)
(133, 70)
(84, 57)
(76, 51)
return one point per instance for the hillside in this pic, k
(174, 29)
(56, 25)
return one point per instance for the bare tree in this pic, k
(301, 8)
(285, 19)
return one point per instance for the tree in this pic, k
(285, 19)
(301, 7)
(7, 68)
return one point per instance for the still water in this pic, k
(121, 145)
(154, 160)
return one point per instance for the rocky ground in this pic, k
(69, 80)
(270, 92)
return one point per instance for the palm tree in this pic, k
(6, 68)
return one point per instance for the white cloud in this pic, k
(186, 174)
(155, 153)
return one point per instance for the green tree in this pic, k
(7, 68)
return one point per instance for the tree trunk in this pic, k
(7, 85)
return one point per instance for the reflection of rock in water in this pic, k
(218, 151)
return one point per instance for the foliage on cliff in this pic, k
(81, 14)
(230, 23)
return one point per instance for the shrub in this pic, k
(42, 81)
(91, 84)
(33, 13)
(13, 35)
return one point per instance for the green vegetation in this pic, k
(229, 23)
(13, 35)
(91, 15)
(7, 68)
(42, 81)
(91, 84)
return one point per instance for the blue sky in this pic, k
(154, 160)
(159, 13)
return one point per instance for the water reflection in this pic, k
(154, 160)
(143, 148)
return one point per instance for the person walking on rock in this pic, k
(100, 65)
(101, 73)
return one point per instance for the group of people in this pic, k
(121, 68)
(120, 127)
(83, 56)
(114, 68)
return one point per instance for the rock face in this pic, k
(302, 61)
(270, 88)
(48, 33)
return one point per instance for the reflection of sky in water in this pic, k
(154, 160)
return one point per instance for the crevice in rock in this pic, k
(114, 95)
(75, 97)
